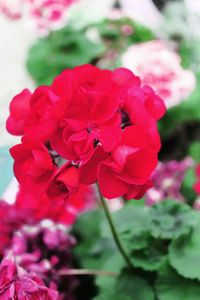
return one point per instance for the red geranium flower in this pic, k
(64, 182)
(127, 169)
(99, 123)
(91, 116)
(19, 108)
(33, 166)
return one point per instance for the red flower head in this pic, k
(58, 210)
(45, 106)
(63, 183)
(33, 165)
(99, 121)
(87, 121)
(126, 170)
(19, 108)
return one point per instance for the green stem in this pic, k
(72, 272)
(113, 230)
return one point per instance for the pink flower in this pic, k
(167, 180)
(15, 283)
(11, 8)
(11, 220)
(160, 67)
(45, 14)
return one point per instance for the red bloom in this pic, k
(103, 122)
(19, 108)
(64, 182)
(45, 107)
(64, 212)
(33, 166)
(127, 169)
(15, 283)
(88, 121)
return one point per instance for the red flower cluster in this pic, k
(89, 126)
(197, 184)
(37, 208)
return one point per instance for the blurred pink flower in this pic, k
(167, 180)
(11, 8)
(45, 14)
(48, 14)
(160, 67)
(45, 249)
(15, 283)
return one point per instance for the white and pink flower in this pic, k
(160, 67)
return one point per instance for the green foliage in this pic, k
(172, 286)
(92, 250)
(62, 49)
(184, 253)
(151, 257)
(153, 238)
(187, 186)
(126, 286)
(194, 151)
(100, 43)
(170, 219)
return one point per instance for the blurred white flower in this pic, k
(160, 67)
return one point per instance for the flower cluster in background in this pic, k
(160, 67)
(46, 14)
(167, 180)
(16, 283)
(38, 251)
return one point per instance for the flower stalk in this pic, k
(114, 231)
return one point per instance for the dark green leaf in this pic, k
(184, 253)
(171, 286)
(125, 287)
(170, 219)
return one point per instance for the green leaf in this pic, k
(65, 48)
(194, 151)
(92, 250)
(171, 286)
(184, 253)
(130, 218)
(170, 219)
(125, 287)
(152, 257)
(187, 186)
(132, 225)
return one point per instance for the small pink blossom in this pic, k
(167, 180)
(16, 283)
(45, 14)
(160, 67)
